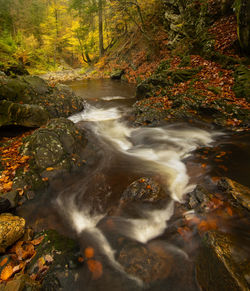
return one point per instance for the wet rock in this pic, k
(239, 192)
(55, 150)
(198, 199)
(22, 114)
(60, 255)
(222, 264)
(144, 190)
(116, 75)
(22, 282)
(11, 229)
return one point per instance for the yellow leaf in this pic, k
(6, 273)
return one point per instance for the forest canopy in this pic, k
(45, 34)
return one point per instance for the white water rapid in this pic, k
(161, 152)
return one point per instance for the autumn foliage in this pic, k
(12, 160)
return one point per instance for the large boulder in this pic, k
(54, 150)
(11, 229)
(29, 91)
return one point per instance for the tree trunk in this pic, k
(100, 15)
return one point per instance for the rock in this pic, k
(198, 199)
(31, 93)
(223, 263)
(116, 75)
(144, 190)
(239, 192)
(55, 150)
(60, 254)
(22, 282)
(52, 145)
(11, 229)
(22, 114)
(147, 87)
(243, 20)
(144, 263)
(242, 82)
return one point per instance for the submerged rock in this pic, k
(11, 229)
(145, 264)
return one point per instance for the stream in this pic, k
(86, 205)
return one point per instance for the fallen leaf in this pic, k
(3, 262)
(37, 241)
(6, 273)
(50, 169)
(89, 252)
(95, 268)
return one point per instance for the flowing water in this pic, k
(153, 257)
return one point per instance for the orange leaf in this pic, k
(3, 262)
(207, 225)
(80, 259)
(95, 268)
(50, 169)
(45, 179)
(37, 241)
(89, 252)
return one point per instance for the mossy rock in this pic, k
(60, 254)
(242, 8)
(117, 74)
(58, 101)
(22, 114)
(242, 82)
(182, 75)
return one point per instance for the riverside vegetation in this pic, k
(189, 61)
